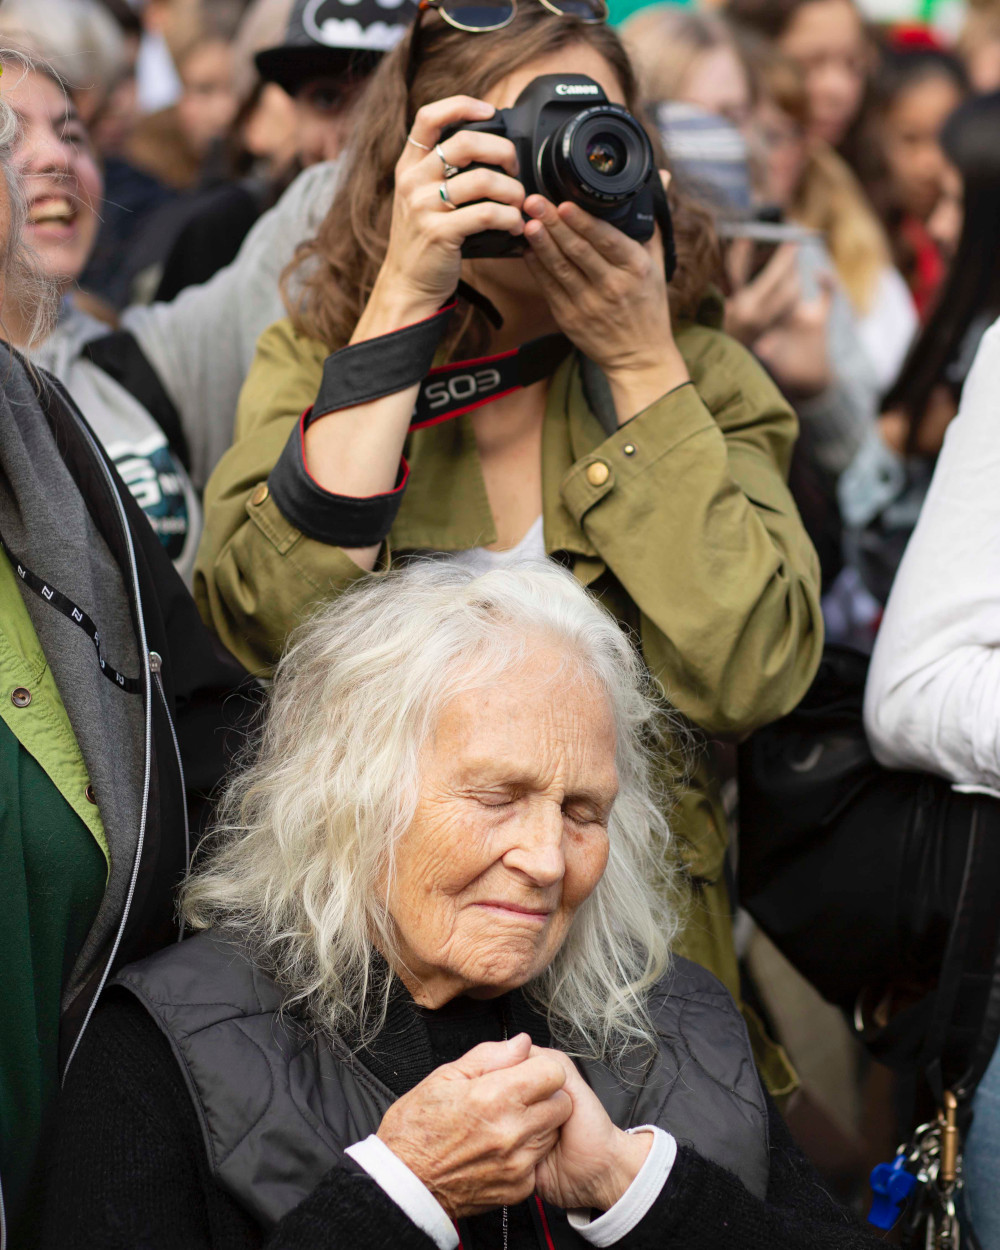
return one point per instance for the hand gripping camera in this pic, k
(574, 144)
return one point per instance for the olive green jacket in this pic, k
(686, 531)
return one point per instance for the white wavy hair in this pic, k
(297, 867)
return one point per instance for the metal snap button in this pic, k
(629, 449)
(598, 473)
(20, 697)
(260, 494)
(91, 796)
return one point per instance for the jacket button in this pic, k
(598, 473)
(91, 796)
(259, 495)
(629, 449)
(20, 697)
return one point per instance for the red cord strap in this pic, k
(362, 372)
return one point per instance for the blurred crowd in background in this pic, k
(848, 152)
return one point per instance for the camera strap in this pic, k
(361, 372)
(72, 613)
(450, 390)
(382, 366)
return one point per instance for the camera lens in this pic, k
(600, 158)
(606, 154)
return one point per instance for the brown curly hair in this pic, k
(330, 278)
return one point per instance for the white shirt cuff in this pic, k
(407, 1191)
(620, 1219)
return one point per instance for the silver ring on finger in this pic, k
(450, 170)
(424, 147)
(445, 197)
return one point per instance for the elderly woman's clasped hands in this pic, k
(453, 829)
(509, 1119)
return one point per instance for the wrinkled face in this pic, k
(826, 39)
(510, 834)
(62, 182)
(717, 82)
(910, 141)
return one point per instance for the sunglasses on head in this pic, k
(479, 17)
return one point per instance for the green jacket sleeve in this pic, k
(257, 576)
(696, 522)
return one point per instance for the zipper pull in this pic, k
(155, 661)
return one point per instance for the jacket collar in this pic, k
(402, 1053)
(446, 507)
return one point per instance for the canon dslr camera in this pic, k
(574, 144)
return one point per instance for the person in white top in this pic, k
(933, 695)
(199, 346)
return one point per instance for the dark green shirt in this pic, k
(53, 870)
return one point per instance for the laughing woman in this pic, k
(647, 454)
(160, 392)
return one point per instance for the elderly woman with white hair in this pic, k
(431, 1002)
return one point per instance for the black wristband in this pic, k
(340, 520)
(356, 374)
(361, 372)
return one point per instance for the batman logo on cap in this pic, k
(354, 23)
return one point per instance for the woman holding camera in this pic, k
(646, 452)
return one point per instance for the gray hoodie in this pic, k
(201, 345)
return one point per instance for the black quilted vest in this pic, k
(278, 1107)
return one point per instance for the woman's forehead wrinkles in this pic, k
(535, 769)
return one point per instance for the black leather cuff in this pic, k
(340, 520)
(356, 374)
(361, 372)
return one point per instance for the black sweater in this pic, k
(129, 1172)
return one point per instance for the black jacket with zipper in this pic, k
(200, 699)
(194, 699)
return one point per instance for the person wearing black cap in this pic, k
(329, 51)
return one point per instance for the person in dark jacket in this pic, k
(442, 876)
(111, 691)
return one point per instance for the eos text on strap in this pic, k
(361, 372)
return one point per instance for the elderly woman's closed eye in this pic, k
(510, 834)
(432, 997)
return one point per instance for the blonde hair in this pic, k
(296, 870)
(829, 198)
(25, 287)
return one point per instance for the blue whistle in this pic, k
(892, 1185)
